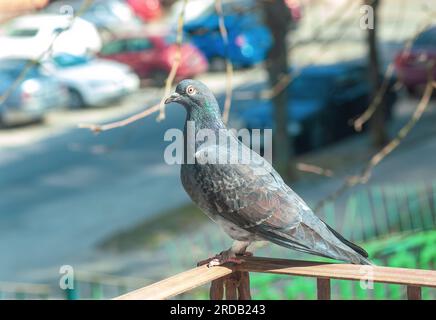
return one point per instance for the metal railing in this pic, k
(233, 282)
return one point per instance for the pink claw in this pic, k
(223, 258)
(220, 260)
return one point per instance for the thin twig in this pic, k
(168, 84)
(117, 124)
(176, 63)
(229, 65)
(377, 158)
(286, 79)
(378, 98)
(310, 168)
(391, 146)
(320, 30)
(364, 117)
(344, 27)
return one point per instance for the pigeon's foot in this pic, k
(225, 257)
(219, 260)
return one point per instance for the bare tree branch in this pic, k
(229, 66)
(168, 84)
(175, 66)
(364, 117)
(366, 173)
(378, 98)
(117, 124)
(310, 168)
(286, 79)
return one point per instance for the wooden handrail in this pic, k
(342, 271)
(414, 279)
(177, 284)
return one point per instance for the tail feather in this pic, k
(350, 256)
(353, 246)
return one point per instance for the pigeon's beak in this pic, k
(172, 98)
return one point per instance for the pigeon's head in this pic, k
(194, 96)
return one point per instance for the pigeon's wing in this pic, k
(254, 197)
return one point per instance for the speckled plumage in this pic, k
(251, 201)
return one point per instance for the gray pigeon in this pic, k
(250, 201)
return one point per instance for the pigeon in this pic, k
(248, 200)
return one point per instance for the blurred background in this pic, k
(109, 206)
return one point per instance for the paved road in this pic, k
(58, 189)
(61, 193)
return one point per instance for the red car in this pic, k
(146, 9)
(412, 65)
(151, 56)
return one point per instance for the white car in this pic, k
(36, 35)
(194, 9)
(91, 81)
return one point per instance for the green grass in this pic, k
(154, 231)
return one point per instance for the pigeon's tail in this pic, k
(366, 262)
(361, 254)
(344, 254)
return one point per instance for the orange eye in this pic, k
(191, 90)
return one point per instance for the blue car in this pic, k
(32, 97)
(249, 39)
(323, 100)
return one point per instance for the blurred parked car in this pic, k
(412, 65)
(249, 39)
(108, 16)
(146, 9)
(91, 81)
(35, 35)
(34, 95)
(151, 56)
(323, 100)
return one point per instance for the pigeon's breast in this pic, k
(199, 186)
(194, 187)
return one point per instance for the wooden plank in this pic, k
(413, 293)
(177, 284)
(216, 291)
(231, 286)
(417, 277)
(323, 288)
(196, 277)
(244, 286)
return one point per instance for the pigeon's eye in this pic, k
(191, 90)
